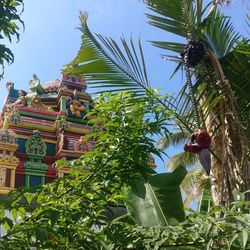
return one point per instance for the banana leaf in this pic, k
(206, 200)
(157, 201)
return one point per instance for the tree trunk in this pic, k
(230, 167)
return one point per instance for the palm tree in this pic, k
(218, 101)
(217, 37)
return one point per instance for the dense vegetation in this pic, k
(71, 213)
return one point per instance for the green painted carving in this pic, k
(32, 174)
(35, 148)
(63, 102)
(35, 86)
(61, 123)
(35, 166)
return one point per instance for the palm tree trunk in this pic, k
(230, 169)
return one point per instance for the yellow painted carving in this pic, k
(2, 177)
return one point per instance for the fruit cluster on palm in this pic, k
(216, 94)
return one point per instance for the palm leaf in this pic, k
(192, 179)
(220, 34)
(193, 185)
(171, 46)
(183, 158)
(107, 66)
(177, 17)
(236, 67)
(174, 139)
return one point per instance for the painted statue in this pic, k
(200, 143)
(35, 86)
(22, 99)
(62, 141)
(37, 103)
(34, 81)
(6, 116)
(75, 106)
(9, 85)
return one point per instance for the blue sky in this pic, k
(50, 38)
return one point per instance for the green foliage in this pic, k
(9, 19)
(222, 228)
(70, 213)
(194, 182)
(192, 21)
(65, 213)
(206, 200)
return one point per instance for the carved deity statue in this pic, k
(22, 99)
(35, 86)
(7, 115)
(34, 81)
(37, 103)
(75, 105)
(9, 85)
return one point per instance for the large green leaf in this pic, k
(157, 201)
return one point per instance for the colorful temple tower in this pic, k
(39, 127)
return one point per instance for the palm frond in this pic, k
(113, 68)
(236, 67)
(186, 109)
(183, 159)
(106, 65)
(193, 185)
(194, 195)
(220, 34)
(171, 46)
(177, 17)
(248, 21)
(173, 139)
(192, 179)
